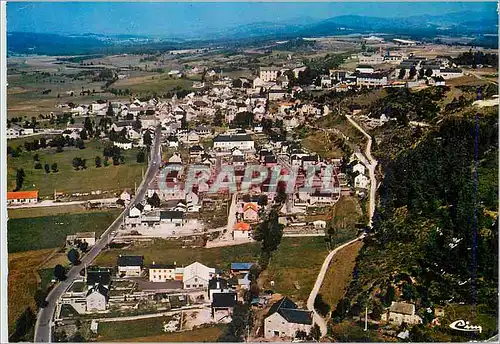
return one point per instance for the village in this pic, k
(230, 154)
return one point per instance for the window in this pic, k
(188, 286)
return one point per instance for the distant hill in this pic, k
(473, 24)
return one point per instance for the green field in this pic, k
(168, 251)
(160, 83)
(51, 231)
(131, 328)
(296, 260)
(150, 330)
(67, 180)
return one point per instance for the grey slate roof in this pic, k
(232, 138)
(130, 261)
(98, 277)
(224, 300)
(288, 310)
(171, 214)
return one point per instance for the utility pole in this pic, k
(366, 319)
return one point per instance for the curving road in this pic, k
(371, 164)
(44, 323)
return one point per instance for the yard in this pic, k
(205, 334)
(169, 251)
(290, 266)
(50, 231)
(131, 328)
(67, 180)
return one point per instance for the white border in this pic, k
(4, 328)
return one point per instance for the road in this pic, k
(317, 318)
(52, 203)
(43, 327)
(371, 164)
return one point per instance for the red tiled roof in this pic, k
(22, 194)
(250, 206)
(242, 226)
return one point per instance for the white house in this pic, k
(124, 144)
(361, 181)
(371, 79)
(400, 312)
(130, 266)
(284, 319)
(125, 196)
(241, 231)
(161, 272)
(197, 275)
(228, 142)
(97, 298)
(365, 69)
(13, 133)
(22, 197)
(360, 168)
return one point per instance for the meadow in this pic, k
(67, 179)
(26, 234)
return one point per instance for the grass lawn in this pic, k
(339, 274)
(67, 180)
(296, 260)
(23, 282)
(131, 328)
(346, 213)
(169, 251)
(205, 334)
(51, 231)
(22, 213)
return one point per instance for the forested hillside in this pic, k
(435, 235)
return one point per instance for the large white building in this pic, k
(96, 299)
(228, 142)
(269, 73)
(197, 275)
(371, 79)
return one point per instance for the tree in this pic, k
(97, 161)
(402, 73)
(40, 298)
(262, 202)
(413, 72)
(47, 168)
(315, 332)
(377, 311)
(36, 157)
(321, 306)
(77, 163)
(154, 200)
(218, 118)
(19, 179)
(141, 157)
(137, 124)
(79, 144)
(146, 138)
(421, 73)
(59, 272)
(38, 166)
(84, 135)
(43, 142)
(54, 168)
(109, 111)
(270, 232)
(73, 256)
(23, 325)
(428, 72)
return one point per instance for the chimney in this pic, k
(175, 263)
(154, 262)
(218, 284)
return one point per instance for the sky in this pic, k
(187, 18)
